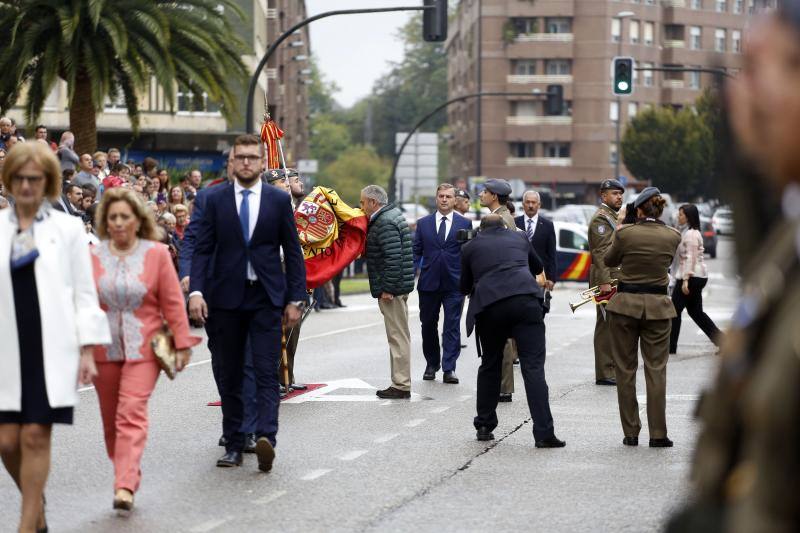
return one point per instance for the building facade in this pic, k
(522, 46)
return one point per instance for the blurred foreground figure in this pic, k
(746, 472)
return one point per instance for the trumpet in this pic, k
(591, 294)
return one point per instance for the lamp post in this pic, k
(622, 15)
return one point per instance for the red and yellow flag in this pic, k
(270, 133)
(332, 234)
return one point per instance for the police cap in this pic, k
(498, 187)
(461, 193)
(645, 195)
(611, 185)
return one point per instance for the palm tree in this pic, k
(105, 48)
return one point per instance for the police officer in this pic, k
(601, 234)
(642, 311)
(497, 271)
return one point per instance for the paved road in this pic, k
(350, 462)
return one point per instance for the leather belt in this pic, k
(636, 288)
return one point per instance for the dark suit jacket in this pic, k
(544, 242)
(440, 264)
(219, 261)
(495, 265)
(189, 234)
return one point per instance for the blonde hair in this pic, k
(22, 154)
(179, 207)
(147, 227)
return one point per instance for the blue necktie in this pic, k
(244, 216)
(442, 230)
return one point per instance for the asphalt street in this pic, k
(347, 461)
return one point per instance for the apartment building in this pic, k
(195, 132)
(522, 46)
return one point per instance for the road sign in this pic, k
(308, 166)
(418, 167)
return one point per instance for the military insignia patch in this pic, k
(601, 229)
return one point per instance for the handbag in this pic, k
(163, 345)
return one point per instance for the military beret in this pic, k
(645, 195)
(276, 174)
(612, 184)
(499, 187)
(461, 193)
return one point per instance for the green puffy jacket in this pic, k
(390, 259)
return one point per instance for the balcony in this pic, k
(539, 162)
(518, 79)
(674, 43)
(272, 13)
(673, 84)
(544, 38)
(272, 73)
(538, 120)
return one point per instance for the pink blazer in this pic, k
(139, 292)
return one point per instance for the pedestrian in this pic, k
(85, 174)
(691, 278)
(163, 182)
(101, 164)
(139, 290)
(5, 132)
(113, 157)
(437, 254)
(67, 157)
(70, 200)
(181, 213)
(41, 135)
(390, 265)
(498, 271)
(176, 197)
(541, 233)
(462, 202)
(602, 228)
(241, 233)
(52, 320)
(641, 313)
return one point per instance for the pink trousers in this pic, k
(123, 390)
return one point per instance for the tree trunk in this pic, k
(82, 118)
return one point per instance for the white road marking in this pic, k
(414, 423)
(270, 497)
(386, 438)
(209, 525)
(464, 398)
(315, 474)
(351, 456)
(442, 409)
(387, 402)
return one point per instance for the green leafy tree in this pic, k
(328, 139)
(105, 48)
(354, 169)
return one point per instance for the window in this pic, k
(694, 79)
(613, 153)
(558, 25)
(616, 30)
(719, 40)
(556, 150)
(634, 31)
(695, 38)
(697, 4)
(738, 6)
(613, 112)
(649, 31)
(521, 149)
(195, 103)
(722, 6)
(523, 109)
(633, 109)
(736, 41)
(573, 241)
(648, 75)
(116, 101)
(524, 67)
(525, 26)
(557, 67)
(52, 101)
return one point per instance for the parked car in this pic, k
(572, 251)
(709, 236)
(575, 213)
(723, 221)
(413, 212)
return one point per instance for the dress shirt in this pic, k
(447, 224)
(535, 220)
(254, 202)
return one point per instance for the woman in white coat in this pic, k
(50, 320)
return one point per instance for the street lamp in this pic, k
(622, 15)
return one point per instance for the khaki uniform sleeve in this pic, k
(601, 235)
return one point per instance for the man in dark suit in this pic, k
(70, 200)
(498, 269)
(243, 228)
(437, 254)
(541, 233)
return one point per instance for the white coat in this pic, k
(70, 313)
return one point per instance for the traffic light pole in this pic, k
(251, 91)
(423, 120)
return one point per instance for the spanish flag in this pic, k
(332, 234)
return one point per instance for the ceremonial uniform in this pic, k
(641, 312)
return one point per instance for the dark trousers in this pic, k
(520, 318)
(693, 303)
(249, 392)
(430, 303)
(258, 321)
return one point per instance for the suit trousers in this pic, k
(259, 322)
(518, 317)
(693, 303)
(653, 335)
(249, 394)
(603, 346)
(429, 304)
(123, 389)
(395, 319)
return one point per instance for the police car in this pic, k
(572, 251)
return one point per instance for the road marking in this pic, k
(414, 423)
(386, 438)
(270, 497)
(464, 398)
(351, 456)
(387, 402)
(316, 474)
(442, 409)
(210, 525)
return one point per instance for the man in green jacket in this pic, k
(390, 265)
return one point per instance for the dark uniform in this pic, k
(601, 233)
(642, 311)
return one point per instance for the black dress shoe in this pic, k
(552, 442)
(504, 397)
(222, 441)
(450, 377)
(630, 441)
(250, 443)
(661, 443)
(326, 305)
(611, 382)
(484, 433)
(393, 394)
(340, 304)
(298, 386)
(265, 453)
(230, 459)
(430, 373)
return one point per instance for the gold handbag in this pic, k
(163, 345)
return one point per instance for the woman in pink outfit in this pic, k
(139, 290)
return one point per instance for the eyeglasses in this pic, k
(247, 158)
(33, 180)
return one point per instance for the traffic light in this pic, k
(434, 21)
(554, 105)
(623, 75)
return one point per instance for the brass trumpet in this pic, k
(591, 294)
